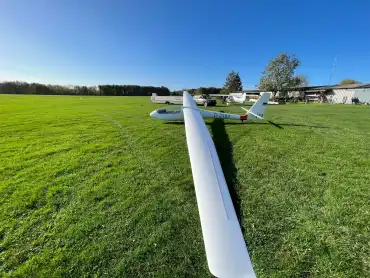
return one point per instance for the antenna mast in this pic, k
(332, 69)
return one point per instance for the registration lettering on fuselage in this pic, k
(222, 116)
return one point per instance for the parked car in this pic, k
(205, 100)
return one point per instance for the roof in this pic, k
(255, 91)
(333, 87)
(353, 86)
(312, 89)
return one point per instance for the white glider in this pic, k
(177, 113)
(226, 251)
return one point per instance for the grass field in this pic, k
(93, 187)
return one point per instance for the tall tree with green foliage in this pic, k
(278, 75)
(233, 82)
(303, 80)
(348, 82)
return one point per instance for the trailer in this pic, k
(166, 99)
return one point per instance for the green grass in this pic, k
(93, 187)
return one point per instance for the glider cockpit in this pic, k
(168, 113)
(173, 110)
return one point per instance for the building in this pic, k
(346, 94)
(335, 94)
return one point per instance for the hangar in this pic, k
(335, 94)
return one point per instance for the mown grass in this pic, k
(93, 187)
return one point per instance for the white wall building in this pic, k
(334, 94)
(345, 96)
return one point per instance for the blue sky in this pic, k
(180, 44)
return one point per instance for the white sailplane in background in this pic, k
(237, 98)
(226, 251)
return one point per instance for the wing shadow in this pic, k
(282, 124)
(254, 123)
(225, 154)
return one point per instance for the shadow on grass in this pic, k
(224, 150)
(254, 123)
(235, 105)
(282, 124)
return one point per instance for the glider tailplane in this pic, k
(260, 105)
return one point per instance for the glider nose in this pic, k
(154, 114)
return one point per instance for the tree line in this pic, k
(278, 76)
(101, 90)
(17, 87)
(199, 91)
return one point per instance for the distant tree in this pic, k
(278, 75)
(176, 93)
(303, 80)
(200, 91)
(212, 90)
(233, 82)
(190, 91)
(348, 82)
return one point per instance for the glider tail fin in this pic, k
(260, 105)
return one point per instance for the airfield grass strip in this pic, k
(93, 187)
